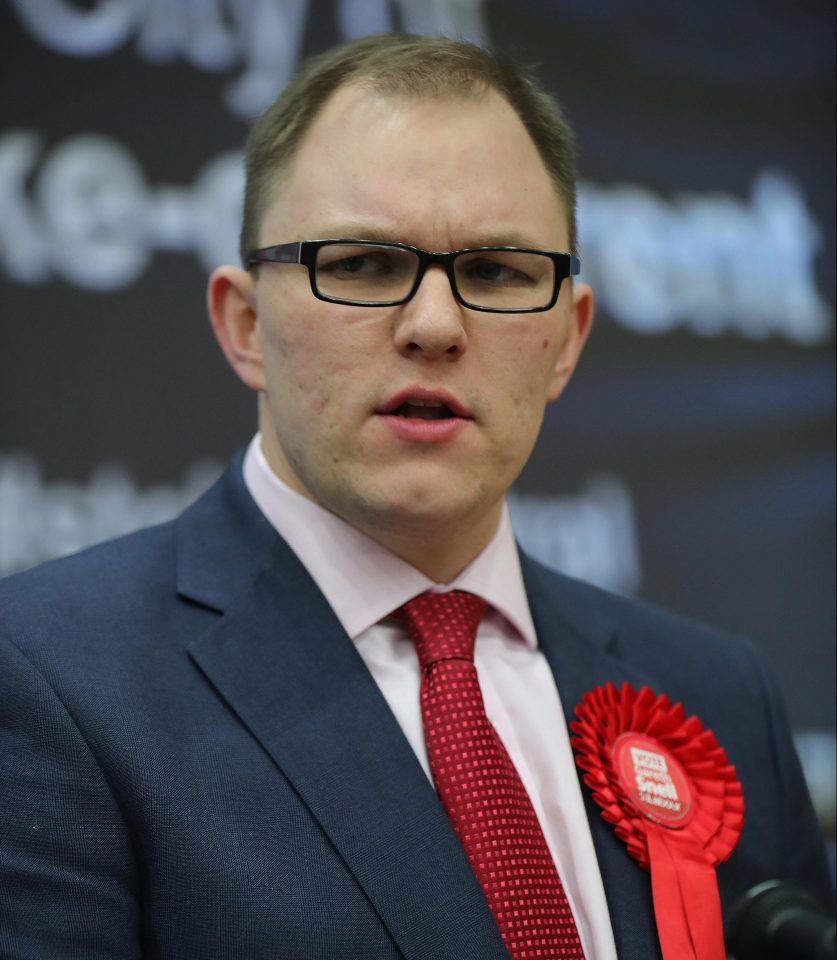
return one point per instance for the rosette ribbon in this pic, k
(673, 798)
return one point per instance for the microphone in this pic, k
(780, 921)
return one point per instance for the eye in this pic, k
(491, 271)
(378, 263)
(495, 271)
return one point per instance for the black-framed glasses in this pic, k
(367, 273)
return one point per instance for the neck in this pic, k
(440, 547)
(440, 554)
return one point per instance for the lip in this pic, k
(424, 395)
(419, 430)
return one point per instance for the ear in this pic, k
(231, 301)
(579, 323)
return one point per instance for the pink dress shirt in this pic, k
(364, 583)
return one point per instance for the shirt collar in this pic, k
(363, 581)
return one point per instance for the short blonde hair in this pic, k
(404, 66)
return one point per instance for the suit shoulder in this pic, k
(637, 622)
(102, 577)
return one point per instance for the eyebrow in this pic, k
(350, 230)
(358, 231)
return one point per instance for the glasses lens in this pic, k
(369, 273)
(505, 279)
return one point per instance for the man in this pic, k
(218, 739)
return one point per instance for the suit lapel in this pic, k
(283, 663)
(281, 660)
(581, 647)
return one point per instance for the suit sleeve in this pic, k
(804, 850)
(67, 872)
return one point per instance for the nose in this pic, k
(430, 325)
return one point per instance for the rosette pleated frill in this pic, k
(665, 784)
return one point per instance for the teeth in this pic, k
(425, 403)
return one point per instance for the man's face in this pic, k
(440, 174)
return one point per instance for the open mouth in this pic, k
(424, 410)
(427, 413)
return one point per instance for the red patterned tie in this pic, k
(479, 786)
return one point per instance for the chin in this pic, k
(439, 510)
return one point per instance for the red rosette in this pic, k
(665, 784)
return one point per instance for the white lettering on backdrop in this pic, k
(713, 264)
(94, 221)
(709, 262)
(40, 520)
(265, 36)
(592, 535)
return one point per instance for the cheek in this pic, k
(521, 382)
(335, 367)
(303, 366)
(317, 387)
(530, 362)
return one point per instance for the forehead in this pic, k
(440, 170)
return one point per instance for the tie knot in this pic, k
(443, 626)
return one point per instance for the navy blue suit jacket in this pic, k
(195, 762)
